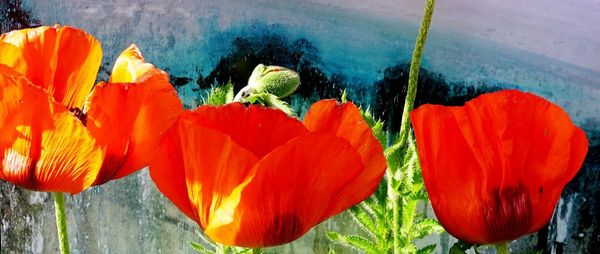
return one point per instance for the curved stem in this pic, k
(61, 222)
(413, 75)
(502, 248)
(408, 106)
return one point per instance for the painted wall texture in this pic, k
(550, 48)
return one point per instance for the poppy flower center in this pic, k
(77, 112)
(508, 213)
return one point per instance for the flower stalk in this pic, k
(405, 122)
(61, 222)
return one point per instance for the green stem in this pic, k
(502, 248)
(413, 75)
(408, 106)
(61, 222)
(396, 206)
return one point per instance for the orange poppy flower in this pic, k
(49, 141)
(253, 176)
(495, 168)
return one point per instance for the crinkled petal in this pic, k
(130, 66)
(289, 192)
(199, 168)
(61, 59)
(43, 147)
(256, 128)
(129, 119)
(500, 163)
(344, 120)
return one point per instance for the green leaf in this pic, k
(409, 248)
(376, 126)
(200, 248)
(270, 100)
(395, 155)
(220, 95)
(344, 96)
(353, 241)
(364, 219)
(380, 195)
(459, 247)
(427, 249)
(426, 227)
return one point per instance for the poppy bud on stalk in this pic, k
(275, 80)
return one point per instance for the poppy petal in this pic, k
(511, 151)
(130, 66)
(213, 165)
(11, 55)
(44, 147)
(256, 128)
(289, 192)
(129, 119)
(450, 170)
(61, 59)
(344, 120)
(168, 173)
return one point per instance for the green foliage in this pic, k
(460, 248)
(354, 241)
(271, 100)
(376, 125)
(220, 95)
(200, 248)
(389, 220)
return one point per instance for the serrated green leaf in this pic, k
(363, 219)
(270, 100)
(409, 248)
(344, 96)
(220, 95)
(426, 227)
(380, 195)
(427, 249)
(353, 241)
(376, 126)
(200, 248)
(395, 155)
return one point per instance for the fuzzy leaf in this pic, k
(220, 95)
(376, 126)
(426, 227)
(427, 249)
(395, 155)
(363, 218)
(353, 241)
(270, 100)
(199, 248)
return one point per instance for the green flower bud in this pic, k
(275, 80)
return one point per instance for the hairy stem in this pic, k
(408, 106)
(413, 75)
(61, 222)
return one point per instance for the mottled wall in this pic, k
(363, 47)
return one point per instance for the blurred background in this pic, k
(548, 47)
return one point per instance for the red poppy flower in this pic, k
(47, 142)
(253, 176)
(495, 168)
